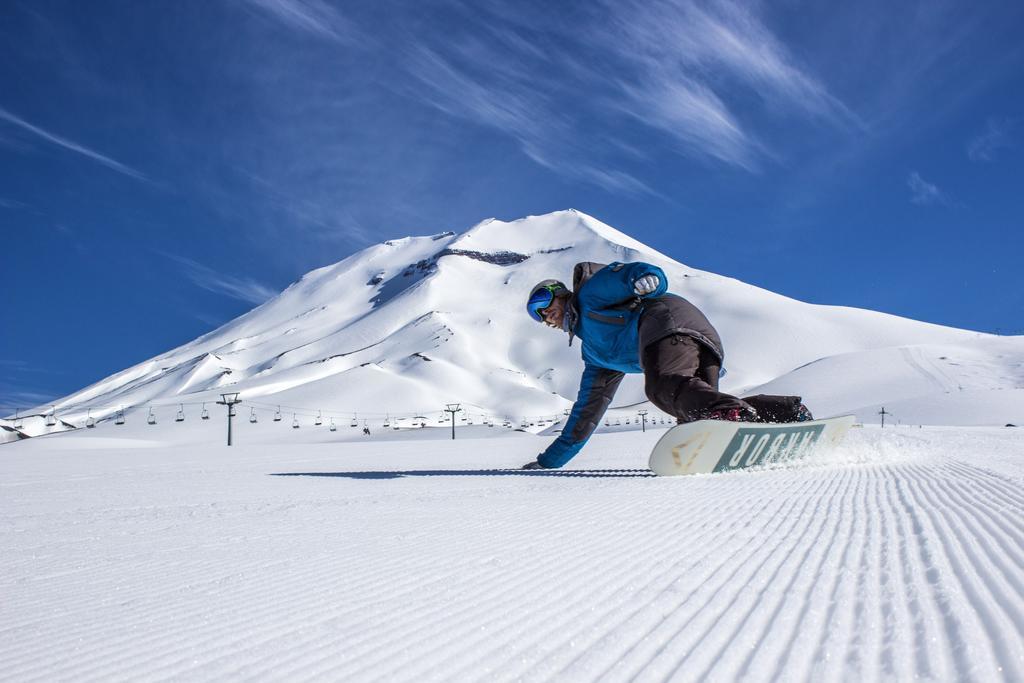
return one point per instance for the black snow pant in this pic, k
(681, 379)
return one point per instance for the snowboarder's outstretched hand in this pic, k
(533, 466)
(646, 284)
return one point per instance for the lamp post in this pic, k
(452, 408)
(643, 417)
(229, 400)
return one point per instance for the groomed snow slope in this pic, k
(898, 557)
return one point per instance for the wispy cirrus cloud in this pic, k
(674, 66)
(509, 100)
(309, 16)
(601, 95)
(14, 399)
(243, 289)
(924, 193)
(692, 114)
(686, 60)
(19, 386)
(72, 146)
(996, 136)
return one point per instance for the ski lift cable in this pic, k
(375, 416)
(298, 410)
(302, 411)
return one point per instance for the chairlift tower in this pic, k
(229, 400)
(452, 408)
(643, 418)
(883, 414)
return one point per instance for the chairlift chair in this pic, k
(319, 419)
(295, 422)
(355, 421)
(334, 427)
(181, 413)
(51, 419)
(119, 420)
(277, 415)
(90, 422)
(152, 417)
(252, 416)
(17, 420)
(205, 414)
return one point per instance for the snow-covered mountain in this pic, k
(404, 327)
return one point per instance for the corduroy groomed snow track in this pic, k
(899, 556)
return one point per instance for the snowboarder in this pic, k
(629, 323)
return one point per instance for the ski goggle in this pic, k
(540, 300)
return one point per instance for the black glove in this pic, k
(533, 466)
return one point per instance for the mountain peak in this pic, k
(355, 336)
(548, 232)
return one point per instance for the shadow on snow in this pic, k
(471, 473)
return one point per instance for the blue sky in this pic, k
(164, 167)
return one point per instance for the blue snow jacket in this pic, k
(604, 313)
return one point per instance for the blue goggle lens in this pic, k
(539, 301)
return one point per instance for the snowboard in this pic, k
(718, 446)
